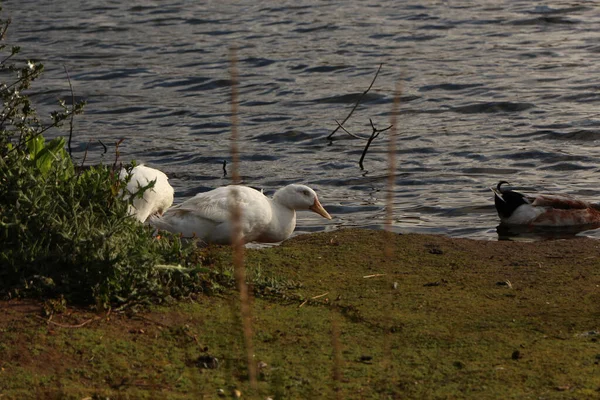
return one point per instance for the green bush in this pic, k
(66, 231)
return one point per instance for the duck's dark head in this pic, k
(507, 200)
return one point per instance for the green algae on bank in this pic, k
(412, 316)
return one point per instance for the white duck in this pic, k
(207, 216)
(155, 200)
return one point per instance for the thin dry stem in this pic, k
(72, 113)
(388, 248)
(389, 212)
(236, 217)
(84, 156)
(337, 354)
(117, 153)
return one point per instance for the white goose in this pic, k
(155, 200)
(207, 216)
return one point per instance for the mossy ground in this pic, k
(398, 316)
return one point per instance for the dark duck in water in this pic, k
(547, 210)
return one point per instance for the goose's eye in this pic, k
(305, 193)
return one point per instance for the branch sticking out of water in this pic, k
(355, 105)
(348, 132)
(373, 136)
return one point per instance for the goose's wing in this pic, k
(563, 202)
(154, 200)
(198, 216)
(216, 204)
(212, 206)
(208, 215)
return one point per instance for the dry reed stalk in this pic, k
(389, 211)
(337, 354)
(236, 217)
(386, 363)
(72, 113)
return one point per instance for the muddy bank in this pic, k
(347, 314)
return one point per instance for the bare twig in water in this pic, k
(357, 103)
(236, 216)
(374, 135)
(349, 133)
(103, 146)
(72, 111)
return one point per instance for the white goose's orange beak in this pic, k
(318, 208)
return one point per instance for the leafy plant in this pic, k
(67, 231)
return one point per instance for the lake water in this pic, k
(491, 90)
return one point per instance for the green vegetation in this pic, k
(65, 231)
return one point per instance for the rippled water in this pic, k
(491, 90)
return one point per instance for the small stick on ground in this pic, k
(373, 276)
(357, 103)
(84, 323)
(321, 295)
(81, 325)
(374, 135)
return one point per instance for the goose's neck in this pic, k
(283, 223)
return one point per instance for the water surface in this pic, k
(491, 90)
